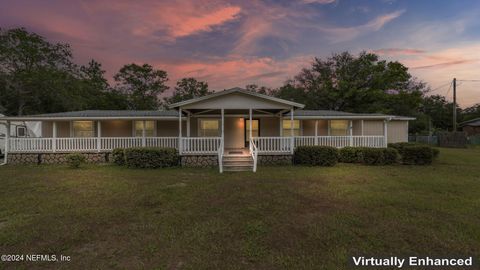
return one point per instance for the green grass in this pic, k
(108, 217)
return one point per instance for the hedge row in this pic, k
(406, 153)
(415, 154)
(369, 156)
(146, 157)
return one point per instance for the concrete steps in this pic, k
(237, 163)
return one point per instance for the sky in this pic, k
(235, 43)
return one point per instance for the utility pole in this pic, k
(454, 104)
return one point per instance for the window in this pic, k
(21, 131)
(208, 128)
(286, 128)
(255, 132)
(83, 129)
(338, 127)
(149, 128)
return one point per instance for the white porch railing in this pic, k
(200, 145)
(75, 144)
(254, 153)
(24, 145)
(273, 144)
(110, 143)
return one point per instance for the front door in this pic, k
(255, 130)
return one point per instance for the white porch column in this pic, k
(362, 126)
(54, 136)
(99, 134)
(180, 131)
(281, 125)
(292, 142)
(350, 131)
(223, 125)
(143, 134)
(188, 124)
(385, 132)
(316, 132)
(250, 124)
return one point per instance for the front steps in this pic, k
(237, 163)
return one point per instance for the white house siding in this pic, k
(169, 128)
(357, 127)
(308, 127)
(397, 131)
(269, 127)
(63, 129)
(373, 127)
(117, 128)
(236, 101)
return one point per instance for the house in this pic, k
(234, 128)
(471, 127)
(18, 129)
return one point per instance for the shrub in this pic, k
(373, 156)
(390, 155)
(118, 156)
(417, 155)
(316, 155)
(75, 160)
(351, 154)
(435, 153)
(401, 145)
(151, 157)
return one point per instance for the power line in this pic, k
(441, 86)
(468, 80)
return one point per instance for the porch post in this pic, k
(281, 125)
(143, 134)
(99, 134)
(316, 132)
(180, 131)
(223, 124)
(188, 124)
(362, 126)
(292, 142)
(250, 124)
(350, 131)
(385, 133)
(54, 136)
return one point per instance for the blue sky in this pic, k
(234, 43)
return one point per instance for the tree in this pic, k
(360, 83)
(188, 88)
(142, 84)
(471, 112)
(34, 72)
(259, 89)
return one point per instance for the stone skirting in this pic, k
(199, 161)
(53, 158)
(275, 160)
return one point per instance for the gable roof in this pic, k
(472, 122)
(236, 90)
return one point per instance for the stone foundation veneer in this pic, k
(53, 158)
(199, 161)
(275, 160)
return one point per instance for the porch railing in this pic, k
(200, 145)
(273, 144)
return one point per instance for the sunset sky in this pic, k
(234, 43)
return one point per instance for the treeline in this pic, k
(37, 76)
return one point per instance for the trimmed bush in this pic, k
(316, 155)
(373, 156)
(417, 155)
(75, 160)
(401, 145)
(151, 157)
(410, 160)
(118, 156)
(351, 154)
(435, 153)
(390, 156)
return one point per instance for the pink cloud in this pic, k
(398, 51)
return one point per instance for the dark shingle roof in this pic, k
(472, 122)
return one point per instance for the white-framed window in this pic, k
(149, 128)
(83, 129)
(208, 128)
(286, 126)
(338, 127)
(21, 131)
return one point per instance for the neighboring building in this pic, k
(471, 127)
(233, 122)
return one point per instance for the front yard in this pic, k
(108, 217)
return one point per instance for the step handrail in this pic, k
(220, 156)
(254, 153)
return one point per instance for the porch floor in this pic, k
(237, 152)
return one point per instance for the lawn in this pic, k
(108, 217)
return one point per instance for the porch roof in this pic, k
(329, 114)
(241, 91)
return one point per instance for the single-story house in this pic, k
(234, 128)
(471, 127)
